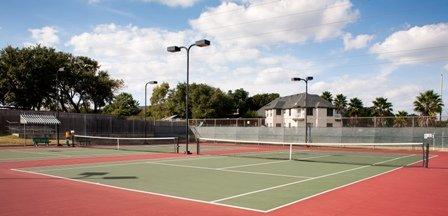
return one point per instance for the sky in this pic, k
(360, 48)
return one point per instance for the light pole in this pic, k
(199, 43)
(58, 101)
(296, 79)
(441, 94)
(146, 98)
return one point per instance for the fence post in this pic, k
(443, 134)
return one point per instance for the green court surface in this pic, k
(53, 153)
(249, 183)
(39, 153)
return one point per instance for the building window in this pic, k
(278, 111)
(278, 125)
(309, 111)
(330, 112)
(329, 124)
(289, 111)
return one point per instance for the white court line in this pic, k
(301, 181)
(225, 170)
(342, 186)
(138, 191)
(201, 201)
(106, 164)
(256, 164)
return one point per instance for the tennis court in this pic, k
(241, 176)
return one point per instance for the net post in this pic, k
(426, 155)
(118, 143)
(197, 146)
(176, 147)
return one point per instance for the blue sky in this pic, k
(362, 48)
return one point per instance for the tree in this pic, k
(381, 107)
(26, 76)
(340, 102)
(428, 103)
(205, 101)
(158, 108)
(239, 99)
(122, 105)
(30, 79)
(355, 107)
(257, 101)
(400, 119)
(326, 95)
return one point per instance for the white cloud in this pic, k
(369, 86)
(358, 42)
(287, 21)
(46, 36)
(414, 45)
(174, 3)
(93, 1)
(138, 54)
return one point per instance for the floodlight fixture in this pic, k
(202, 43)
(173, 49)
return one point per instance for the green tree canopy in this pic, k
(326, 95)
(30, 78)
(122, 105)
(355, 107)
(158, 108)
(340, 102)
(240, 98)
(381, 107)
(428, 103)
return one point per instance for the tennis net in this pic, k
(378, 154)
(151, 144)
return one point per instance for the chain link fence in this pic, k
(353, 130)
(97, 124)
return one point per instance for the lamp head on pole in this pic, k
(173, 49)
(152, 82)
(202, 43)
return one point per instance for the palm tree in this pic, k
(428, 104)
(340, 102)
(400, 119)
(381, 107)
(326, 95)
(355, 107)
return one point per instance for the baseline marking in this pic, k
(301, 181)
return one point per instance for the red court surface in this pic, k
(407, 191)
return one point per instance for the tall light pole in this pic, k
(296, 79)
(146, 98)
(58, 101)
(199, 43)
(441, 94)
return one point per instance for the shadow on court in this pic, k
(100, 175)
